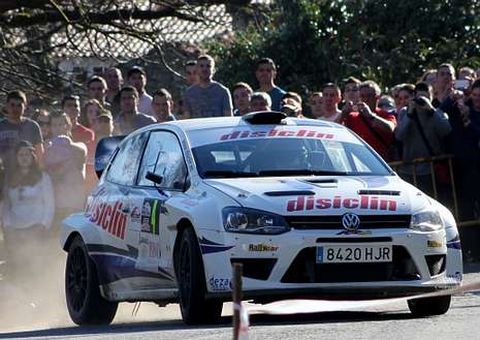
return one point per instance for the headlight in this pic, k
(251, 221)
(426, 221)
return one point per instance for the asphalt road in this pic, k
(391, 321)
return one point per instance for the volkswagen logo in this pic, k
(350, 222)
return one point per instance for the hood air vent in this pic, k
(290, 193)
(322, 181)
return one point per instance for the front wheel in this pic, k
(85, 304)
(190, 273)
(430, 306)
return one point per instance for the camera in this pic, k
(420, 101)
(423, 105)
(462, 84)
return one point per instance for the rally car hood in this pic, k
(325, 195)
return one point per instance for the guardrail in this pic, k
(432, 161)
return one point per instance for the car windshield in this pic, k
(286, 157)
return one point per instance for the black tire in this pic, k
(195, 308)
(85, 304)
(430, 306)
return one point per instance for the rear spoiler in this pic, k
(104, 151)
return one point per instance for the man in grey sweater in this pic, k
(207, 98)
(422, 130)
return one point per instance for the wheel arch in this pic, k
(194, 304)
(183, 224)
(67, 245)
(69, 240)
(95, 307)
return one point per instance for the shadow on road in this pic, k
(225, 322)
(121, 328)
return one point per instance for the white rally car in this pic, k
(306, 206)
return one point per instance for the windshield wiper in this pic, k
(302, 172)
(228, 174)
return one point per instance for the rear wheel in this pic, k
(430, 306)
(190, 273)
(85, 304)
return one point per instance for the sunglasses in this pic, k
(43, 123)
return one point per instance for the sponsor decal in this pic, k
(302, 203)
(154, 249)
(149, 248)
(454, 243)
(151, 216)
(434, 244)
(93, 200)
(457, 276)
(261, 247)
(135, 216)
(109, 217)
(277, 133)
(112, 267)
(209, 247)
(219, 284)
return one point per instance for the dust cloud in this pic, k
(31, 285)
(32, 293)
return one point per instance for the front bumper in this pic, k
(285, 266)
(379, 291)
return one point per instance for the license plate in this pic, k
(354, 254)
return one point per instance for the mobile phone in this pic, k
(462, 84)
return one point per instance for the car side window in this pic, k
(163, 156)
(123, 169)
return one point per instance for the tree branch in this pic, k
(8, 5)
(52, 16)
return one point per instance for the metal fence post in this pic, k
(237, 298)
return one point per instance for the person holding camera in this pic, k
(370, 122)
(422, 130)
(464, 116)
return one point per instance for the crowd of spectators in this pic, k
(48, 159)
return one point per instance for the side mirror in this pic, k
(157, 179)
(105, 148)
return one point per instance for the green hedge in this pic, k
(318, 41)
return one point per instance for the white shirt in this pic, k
(26, 206)
(333, 118)
(145, 104)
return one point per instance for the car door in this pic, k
(109, 209)
(162, 157)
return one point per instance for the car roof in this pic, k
(226, 122)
